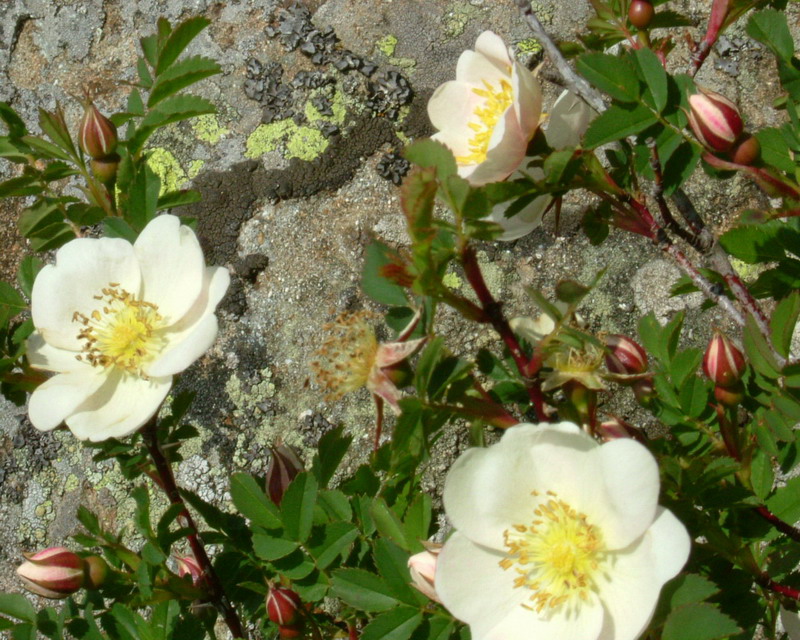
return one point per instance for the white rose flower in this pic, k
(557, 537)
(487, 115)
(116, 321)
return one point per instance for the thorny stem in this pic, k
(782, 526)
(378, 421)
(572, 80)
(493, 314)
(167, 483)
(768, 583)
(719, 11)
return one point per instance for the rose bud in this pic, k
(723, 363)
(283, 607)
(615, 428)
(422, 567)
(293, 631)
(746, 151)
(644, 391)
(641, 13)
(188, 566)
(624, 356)
(715, 120)
(96, 572)
(97, 135)
(284, 465)
(52, 573)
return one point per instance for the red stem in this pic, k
(768, 583)
(167, 483)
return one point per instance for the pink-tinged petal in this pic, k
(476, 69)
(450, 110)
(44, 356)
(527, 99)
(194, 334)
(56, 399)
(505, 153)
(83, 268)
(380, 384)
(119, 407)
(492, 46)
(390, 353)
(472, 585)
(568, 120)
(172, 266)
(630, 588)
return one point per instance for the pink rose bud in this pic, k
(52, 573)
(293, 631)
(283, 607)
(723, 363)
(97, 135)
(615, 428)
(624, 356)
(422, 567)
(188, 566)
(284, 465)
(715, 120)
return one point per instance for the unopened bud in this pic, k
(746, 151)
(715, 120)
(614, 428)
(105, 169)
(283, 607)
(625, 356)
(422, 567)
(188, 566)
(284, 465)
(53, 573)
(97, 136)
(292, 631)
(723, 363)
(641, 13)
(644, 391)
(96, 572)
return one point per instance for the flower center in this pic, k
(557, 555)
(346, 358)
(496, 99)
(123, 332)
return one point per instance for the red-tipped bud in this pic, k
(96, 572)
(52, 573)
(283, 607)
(284, 465)
(641, 13)
(723, 363)
(746, 151)
(715, 120)
(422, 567)
(105, 169)
(644, 391)
(97, 135)
(624, 356)
(614, 429)
(188, 566)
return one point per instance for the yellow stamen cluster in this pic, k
(347, 356)
(557, 555)
(496, 99)
(123, 332)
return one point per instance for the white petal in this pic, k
(527, 99)
(195, 333)
(56, 399)
(43, 356)
(791, 623)
(488, 490)
(523, 624)
(472, 585)
(633, 582)
(522, 223)
(119, 407)
(450, 110)
(505, 153)
(569, 118)
(172, 266)
(476, 69)
(83, 268)
(492, 46)
(629, 477)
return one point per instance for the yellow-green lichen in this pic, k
(208, 129)
(167, 168)
(530, 45)
(337, 106)
(306, 143)
(71, 483)
(746, 271)
(267, 137)
(194, 168)
(452, 280)
(457, 18)
(386, 45)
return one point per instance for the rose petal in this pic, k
(119, 407)
(172, 266)
(83, 268)
(477, 70)
(44, 356)
(527, 99)
(56, 399)
(505, 153)
(568, 120)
